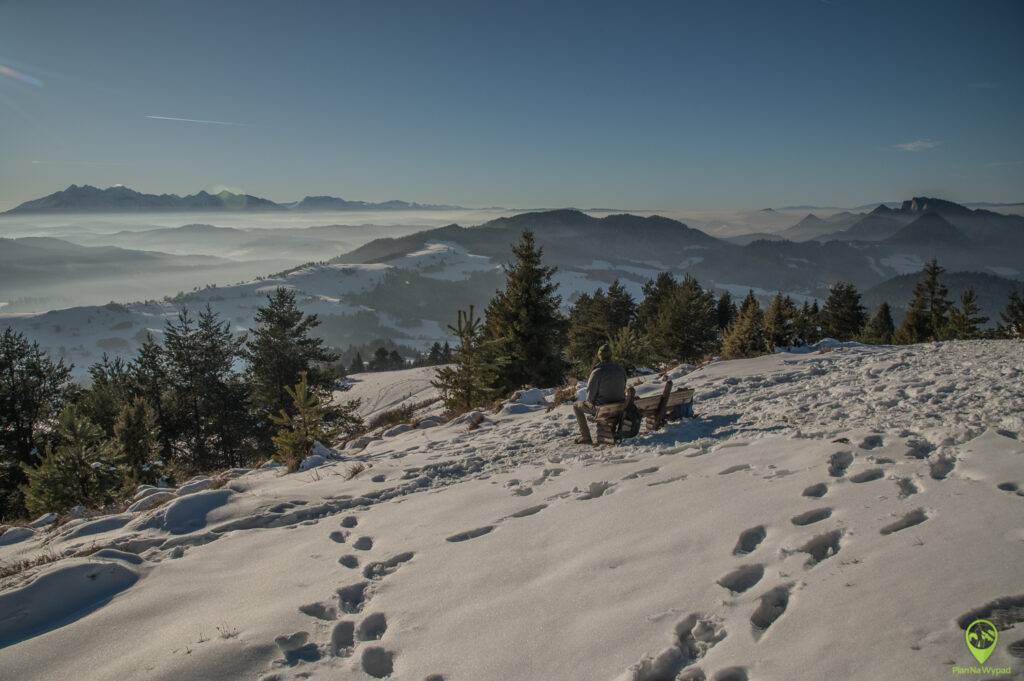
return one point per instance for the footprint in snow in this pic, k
(363, 544)
(839, 462)
(471, 534)
(749, 540)
(742, 578)
(693, 637)
(383, 568)
(349, 561)
(349, 521)
(640, 473)
(771, 606)
(377, 662)
(811, 517)
(735, 469)
(321, 611)
(595, 490)
(817, 490)
(915, 517)
(529, 511)
(372, 627)
(868, 476)
(339, 536)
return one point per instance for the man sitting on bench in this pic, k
(606, 385)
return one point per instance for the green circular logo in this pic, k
(981, 636)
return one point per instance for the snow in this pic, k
(829, 514)
(443, 260)
(381, 391)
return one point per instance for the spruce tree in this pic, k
(111, 387)
(209, 403)
(655, 292)
(630, 349)
(880, 329)
(135, 444)
(725, 311)
(395, 360)
(303, 424)
(524, 328)
(843, 316)
(467, 380)
(66, 476)
(280, 348)
(780, 321)
(685, 327)
(746, 337)
(965, 322)
(380, 360)
(928, 313)
(593, 321)
(357, 366)
(149, 375)
(33, 391)
(1013, 316)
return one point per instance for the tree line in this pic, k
(524, 339)
(199, 400)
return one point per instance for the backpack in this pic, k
(629, 422)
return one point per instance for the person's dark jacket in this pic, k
(607, 384)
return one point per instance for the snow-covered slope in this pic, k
(835, 515)
(381, 391)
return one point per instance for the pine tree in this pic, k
(357, 366)
(843, 316)
(966, 321)
(135, 445)
(725, 311)
(880, 329)
(210, 409)
(279, 349)
(630, 350)
(395, 360)
(593, 321)
(435, 356)
(805, 325)
(380, 360)
(467, 380)
(33, 391)
(524, 328)
(1013, 317)
(110, 389)
(655, 293)
(746, 337)
(814, 326)
(149, 375)
(780, 321)
(301, 426)
(685, 327)
(66, 476)
(927, 315)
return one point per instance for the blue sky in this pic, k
(627, 105)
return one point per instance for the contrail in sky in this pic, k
(192, 120)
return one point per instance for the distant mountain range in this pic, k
(88, 199)
(407, 288)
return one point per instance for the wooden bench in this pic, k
(655, 410)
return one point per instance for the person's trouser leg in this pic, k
(581, 419)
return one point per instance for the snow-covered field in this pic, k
(826, 516)
(382, 391)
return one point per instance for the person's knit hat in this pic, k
(604, 353)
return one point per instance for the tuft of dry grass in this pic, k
(354, 470)
(563, 394)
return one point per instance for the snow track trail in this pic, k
(865, 502)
